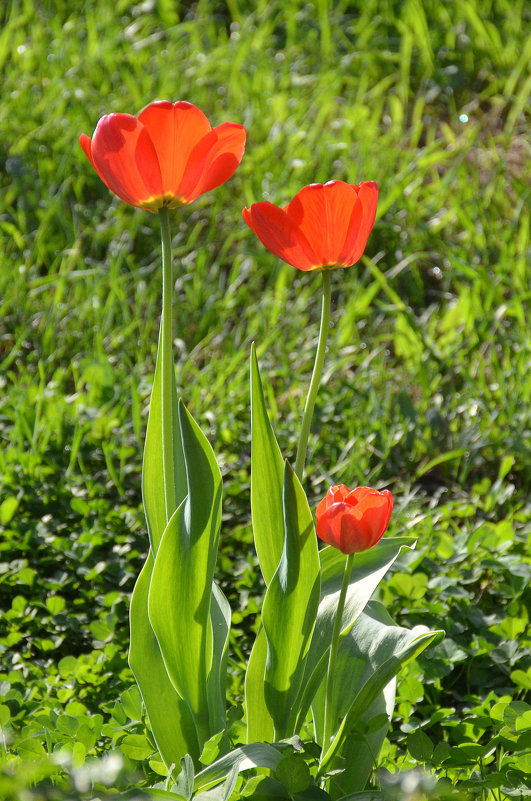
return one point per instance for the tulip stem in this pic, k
(334, 645)
(166, 357)
(316, 377)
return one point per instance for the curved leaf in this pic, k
(267, 480)
(255, 755)
(360, 750)
(152, 469)
(179, 602)
(153, 794)
(220, 615)
(171, 722)
(368, 569)
(290, 606)
(260, 724)
(369, 656)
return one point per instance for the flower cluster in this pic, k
(169, 155)
(317, 607)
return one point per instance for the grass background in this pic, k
(427, 376)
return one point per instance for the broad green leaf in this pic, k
(220, 615)
(181, 585)
(136, 746)
(290, 606)
(255, 755)
(293, 773)
(185, 779)
(8, 507)
(152, 470)
(360, 750)
(369, 656)
(267, 480)
(230, 783)
(131, 701)
(5, 714)
(368, 569)
(260, 724)
(172, 725)
(419, 745)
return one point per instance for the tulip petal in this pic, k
(323, 212)
(360, 493)
(125, 158)
(379, 502)
(355, 533)
(86, 145)
(361, 223)
(346, 257)
(336, 525)
(281, 235)
(222, 157)
(175, 129)
(337, 494)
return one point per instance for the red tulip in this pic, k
(167, 156)
(325, 225)
(354, 520)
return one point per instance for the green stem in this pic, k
(333, 655)
(167, 366)
(316, 377)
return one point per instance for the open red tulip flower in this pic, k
(353, 520)
(325, 225)
(167, 156)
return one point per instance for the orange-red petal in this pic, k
(175, 129)
(222, 156)
(86, 145)
(335, 494)
(281, 235)
(360, 224)
(357, 532)
(323, 212)
(125, 158)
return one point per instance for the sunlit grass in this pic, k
(426, 387)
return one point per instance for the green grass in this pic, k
(426, 387)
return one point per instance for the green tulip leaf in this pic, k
(171, 722)
(267, 480)
(368, 569)
(220, 615)
(369, 657)
(260, 724)
(181, 585)
(152, 469)
(362, 746)
(290, 606)
(246, 757)
(185, 779)
(153, 794)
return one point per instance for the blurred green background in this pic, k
(426, 387)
